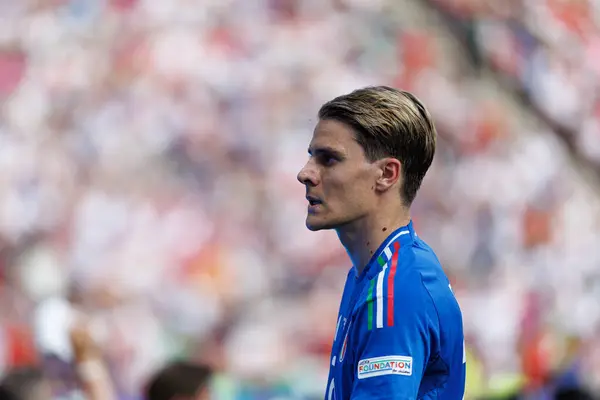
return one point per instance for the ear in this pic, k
(390, 172)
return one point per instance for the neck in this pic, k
(363, 237)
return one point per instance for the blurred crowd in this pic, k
(149, 152)
(551, 49)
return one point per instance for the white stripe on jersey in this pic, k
(388, 253)
(379, 311)
(337, 328)
(380, 278)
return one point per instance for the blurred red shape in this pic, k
(20, 344)
(123, 5)
(12, 70)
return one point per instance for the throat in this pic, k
(364, 257)
(361, 252)
(363, 240)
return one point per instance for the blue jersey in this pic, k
(399, 332)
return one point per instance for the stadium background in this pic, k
(149, 150)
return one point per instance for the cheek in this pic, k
(349, 188)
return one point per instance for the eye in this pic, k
(327, 159)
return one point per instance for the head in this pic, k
(25, 384)
(573, 394)
(370, 151)
(180, 381)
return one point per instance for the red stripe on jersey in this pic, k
(392, 274)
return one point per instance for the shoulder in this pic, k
(393, 295)
(416, 287)
(419, 262)
(418, 273)
(435, 283)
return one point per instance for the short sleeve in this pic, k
(389, 361)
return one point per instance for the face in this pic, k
(339, 180)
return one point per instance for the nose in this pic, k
(307, 175)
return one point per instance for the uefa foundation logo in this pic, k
(388, 365)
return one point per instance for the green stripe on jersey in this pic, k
(381, 261)
(370, 303)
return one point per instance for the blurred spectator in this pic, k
(573, 394)
(549, 49)
(91, 368)
(25, 384)
(180, 380)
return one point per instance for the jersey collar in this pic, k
(403, 235)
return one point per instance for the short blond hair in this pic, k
(389, 123)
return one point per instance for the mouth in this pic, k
(313, 201)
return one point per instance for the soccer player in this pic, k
(399, 331)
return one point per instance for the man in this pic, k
(399, 331)
(25, 383)
(180, 381)
(92, 371)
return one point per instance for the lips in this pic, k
(313, 201)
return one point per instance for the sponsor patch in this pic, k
(388, 365)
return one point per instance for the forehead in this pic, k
(334, 135)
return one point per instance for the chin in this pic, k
(315, 224)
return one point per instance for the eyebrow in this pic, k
(325, 150)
